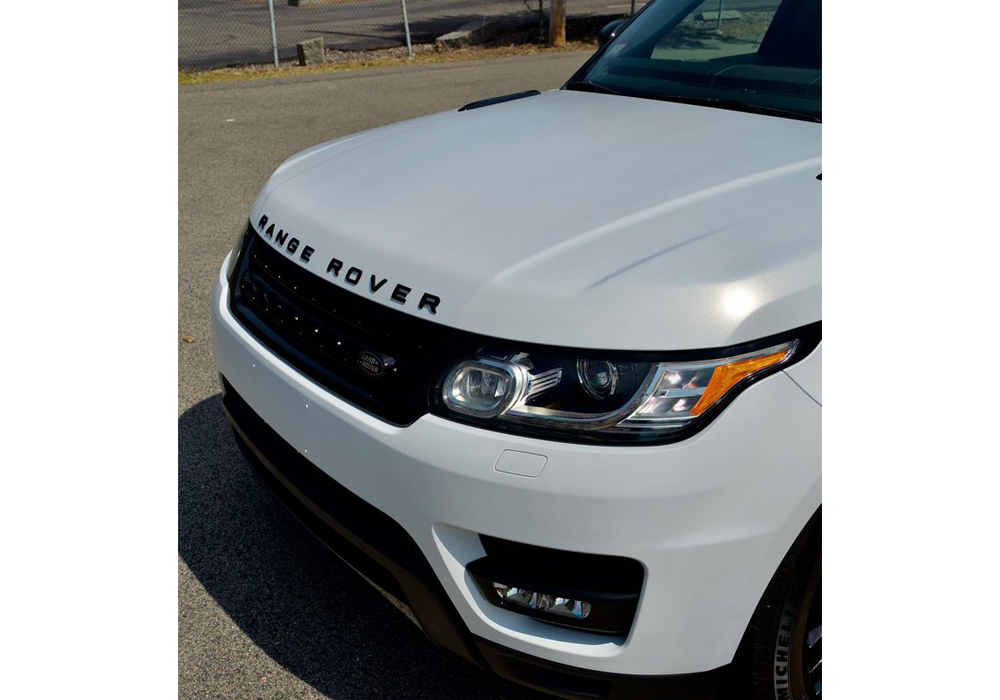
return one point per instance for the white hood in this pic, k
(573, 219)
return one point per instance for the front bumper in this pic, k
(378, 548)
(709, 518)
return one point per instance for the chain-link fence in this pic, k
(215, 33)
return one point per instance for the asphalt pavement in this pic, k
(264, 611)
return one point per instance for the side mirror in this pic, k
(610, 30)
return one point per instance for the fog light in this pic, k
(533, 600)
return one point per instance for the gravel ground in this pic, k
(264, 611)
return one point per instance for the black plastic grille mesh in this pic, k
(324, 331)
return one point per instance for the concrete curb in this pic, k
(479, 30)
(714, 16)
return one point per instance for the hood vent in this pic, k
(497, 100)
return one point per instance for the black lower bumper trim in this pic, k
(573, 682)
(360, 534)
(380, 548)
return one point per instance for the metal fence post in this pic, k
(632, 11)
(274, 33)
(406, 25)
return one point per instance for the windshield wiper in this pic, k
(735, 105)
(588, 86)
(719, 102)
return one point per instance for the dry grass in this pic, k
(385, 58)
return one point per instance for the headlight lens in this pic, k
(483, 388)
(234, 257)
(598, 398)
(599, 378)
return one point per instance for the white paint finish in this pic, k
(578, 220)
(808, 374)
(544, 218)
(520, 463)
(710, 517)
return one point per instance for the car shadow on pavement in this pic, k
(294, 599)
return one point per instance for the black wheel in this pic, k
(806, 658)
(781, 655)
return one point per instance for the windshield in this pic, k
(756, 55)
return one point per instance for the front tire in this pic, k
(806, 659)
(780, 657)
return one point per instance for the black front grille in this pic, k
(322, 330)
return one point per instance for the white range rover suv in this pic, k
(546, 368)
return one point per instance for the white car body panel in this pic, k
(808, 374)
(703, 223)
(679, 228)
(709, 518)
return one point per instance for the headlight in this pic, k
(234, 258)
(484, 388)
(636, 397)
